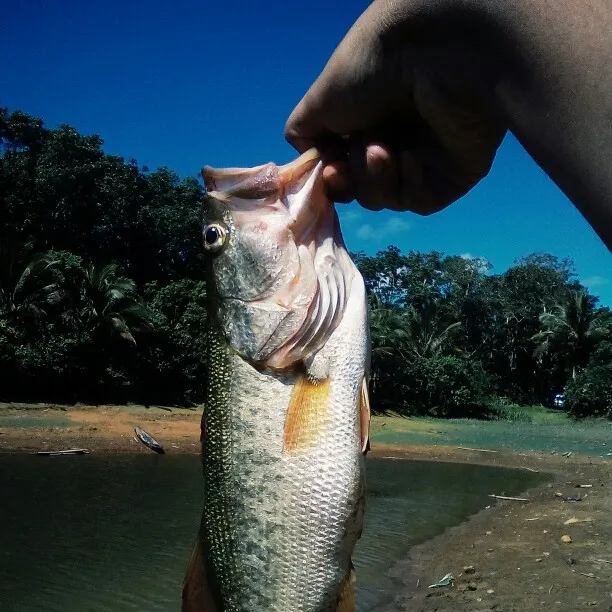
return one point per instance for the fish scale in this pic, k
(261, 482)
(282, 443)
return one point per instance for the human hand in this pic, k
(404, 112)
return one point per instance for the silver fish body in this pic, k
(286, 416)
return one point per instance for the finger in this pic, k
(351, 93)
(338, 180)
(375, 175)
(302, 127)
(431, 181)
(307, 125)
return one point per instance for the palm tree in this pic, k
(401, 335)
(111, 306)
(29, 282)
(570, 331)
(409, 332)
(429, 331)
(388, 331)
(389, 339)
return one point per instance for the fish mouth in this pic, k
(296, 187)
(298, 168)
(303, 194)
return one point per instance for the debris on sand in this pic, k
(447, 580)
(69, 451)
(574, 520)
(505, 497)
(148, 440)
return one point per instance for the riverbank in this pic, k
(510, 557)
(100, 429)
(513, 549)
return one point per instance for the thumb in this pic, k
(353, 93)
(304, 128)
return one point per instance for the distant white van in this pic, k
(559, 400)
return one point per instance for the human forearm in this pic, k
(558, 95)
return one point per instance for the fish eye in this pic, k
(214, 237)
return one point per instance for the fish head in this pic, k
(277, 266)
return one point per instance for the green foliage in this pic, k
(570, 331)
(503, 410)
(447, 386)
(28, 287)
(529, 329)
(61, 191)
(590, 392)
(174, 360)
(102, 298)
(82, 233)
(109, 305)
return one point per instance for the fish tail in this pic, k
(197, 595)
(346, 601)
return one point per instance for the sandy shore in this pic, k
(510, 556)
(513, 552)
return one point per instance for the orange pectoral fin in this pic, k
(346, 602)
(307, 414)
(197, 595)
(364, 416)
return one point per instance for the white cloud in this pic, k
(479, 263)
(350, 216)
(392, 226)
(594, 281)
(366, 231)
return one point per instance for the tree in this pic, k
(113, 252)
(383, 273)
(590, 392)
(110, 307)
(570, 330)
(388, 328)
(520, 294)
(27, 286)
(427, 330)
(172, 362)
(447, 386)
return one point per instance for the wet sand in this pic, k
(508, 557)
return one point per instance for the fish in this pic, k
(285, 424)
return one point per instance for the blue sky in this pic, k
(183, 84)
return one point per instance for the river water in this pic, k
(115, 533)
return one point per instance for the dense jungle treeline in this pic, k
(102, 298)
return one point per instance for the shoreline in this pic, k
(509, 556)
(519, 561)
(501, 562)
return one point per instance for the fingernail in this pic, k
(377, 159)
